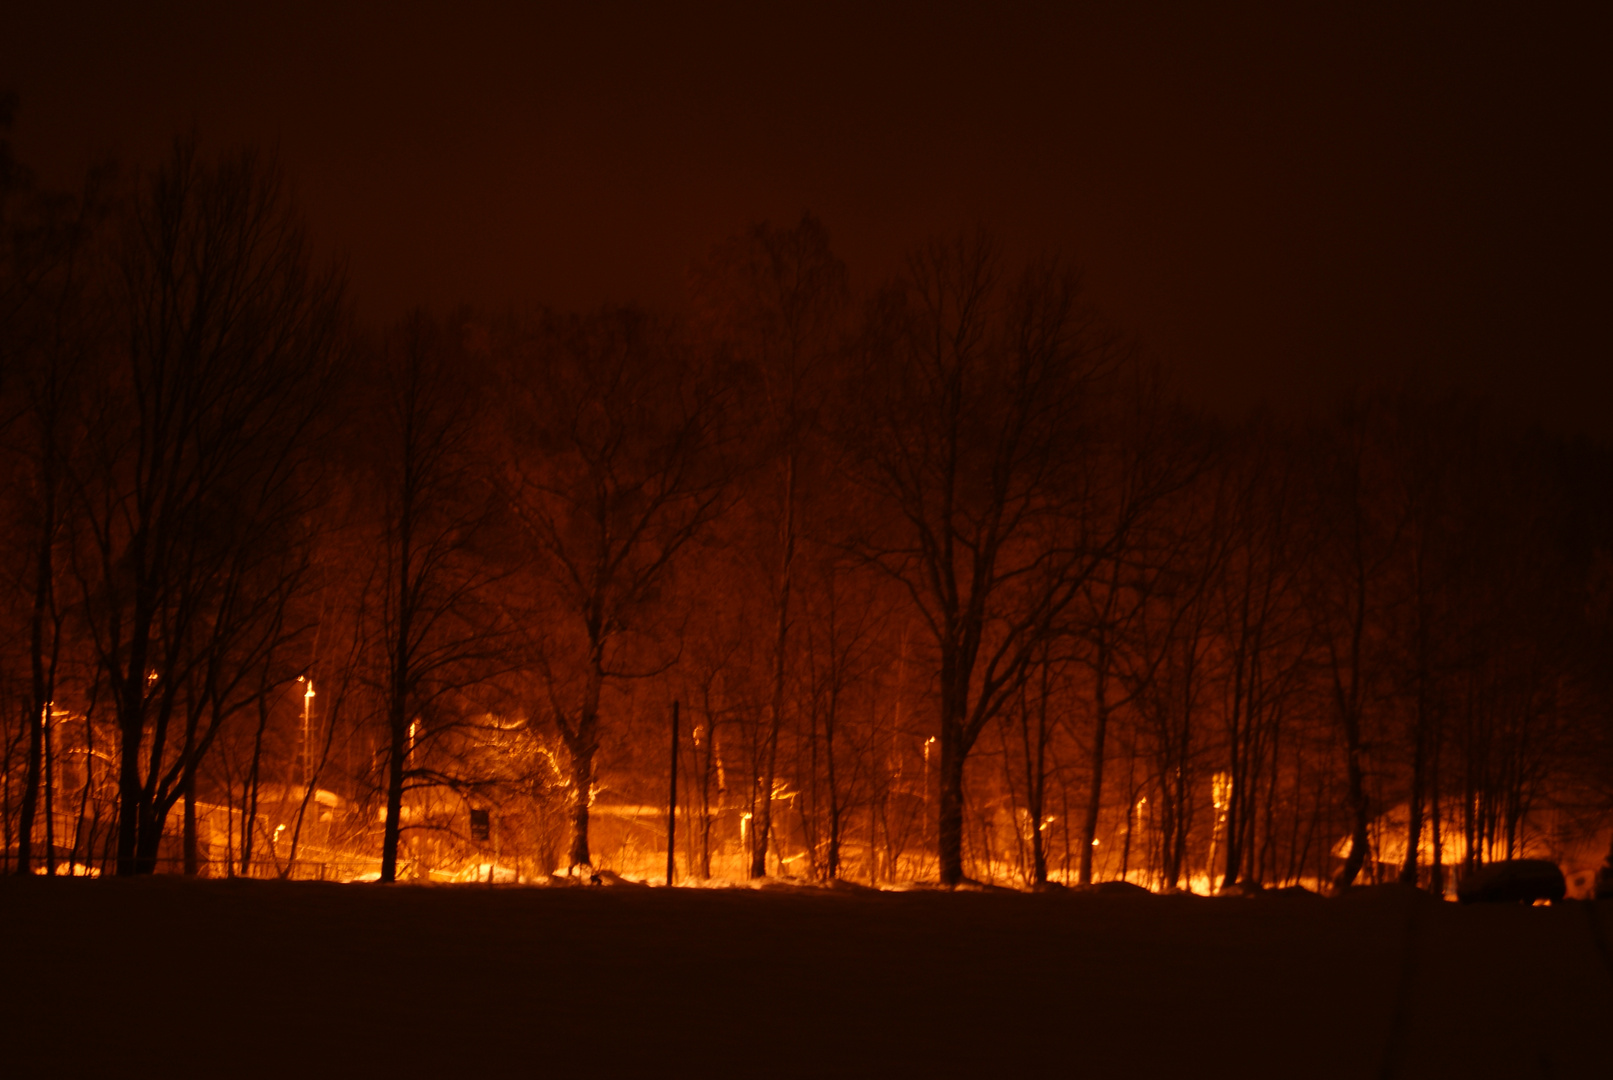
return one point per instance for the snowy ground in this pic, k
(173, 978)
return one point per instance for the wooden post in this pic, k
(672, 802)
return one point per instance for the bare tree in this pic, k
(1037, 727)
(775, 297)
(195, 482)
(985, 443)
(1356, 554)
(436, 631)
(840, 641)
(615, 472)
(52, 330)
(1258, 615)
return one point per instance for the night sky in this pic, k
(1277, 205)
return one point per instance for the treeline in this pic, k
(945, 581)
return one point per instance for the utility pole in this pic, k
(672, 803)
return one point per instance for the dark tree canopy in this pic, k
(944, 579)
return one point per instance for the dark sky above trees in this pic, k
(1277, 203)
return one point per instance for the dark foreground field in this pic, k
(173, 978)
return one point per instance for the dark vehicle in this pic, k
(1516, 881)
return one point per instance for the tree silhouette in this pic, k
(196, 472)
(985, 444)
(436, 631)
(775, 297)
(616, 472)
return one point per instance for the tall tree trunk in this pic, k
(1036, 773)
(672, 803)
(43, 657)
(249, 811)
(1038, 852)
(30, 793)
(1414, 809)
(39, 714)
(950, 815)
(833, 855)
(810, 800)
(1436, 880)
(1470, 825)
(1064, 811)
(1347, 699)
(1238, 734)
(582, 743)
(129, 792)
(762, 825)
(1034, 805)
(1100, 730)
(191, 861)
(707, 774)
(1025, 871)
(1355, 777)
(148, 847)
(400, 656)
(130, 700)
(50, 798)
(397, 752)
(79, 831)
(1421, 722)
(1131, 805)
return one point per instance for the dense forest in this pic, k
(935, 579)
